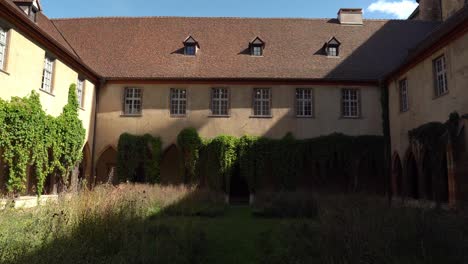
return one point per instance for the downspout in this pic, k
(101, 84)
(387, 140)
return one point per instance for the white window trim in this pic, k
(440, 70)
(3, 47)
(346, 98)
(48, 75)
(403, 93)
(219, 100)
(177, 102)
(302, 101)
(263, 101)
(133, 100)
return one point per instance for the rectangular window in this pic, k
(48, 74)
(257, 50)
(262, 102)
(3, 47)
(80, 91)
(304, 102)
(132, 101)
(178, 102)
(440, 76)
(190, 50)
(220, 101)
(350, 103)
(403, 84)
(332, 51)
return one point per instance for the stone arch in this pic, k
(397, 175)
(412, 176)
(106, 166)
(172, 166)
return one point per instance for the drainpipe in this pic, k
(101, 84)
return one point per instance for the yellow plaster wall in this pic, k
(157, 121)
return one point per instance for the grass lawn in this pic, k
(153, 224)
(234, 236)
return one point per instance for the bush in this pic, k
(138, 158)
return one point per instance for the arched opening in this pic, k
(397, 174)
(412, 176)
(427, 170)
(172, 166)
(106, 167)
(238, 188)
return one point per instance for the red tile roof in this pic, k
(151, 47)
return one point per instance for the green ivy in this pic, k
(190, 143)
(30, 137)
(283, 161)
(138, 158)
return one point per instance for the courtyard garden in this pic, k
(156, 224)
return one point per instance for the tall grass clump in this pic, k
(108, 225)
(365, 230)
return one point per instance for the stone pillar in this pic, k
(452, 197)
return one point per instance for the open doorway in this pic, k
(239, 189)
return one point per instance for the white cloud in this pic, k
(400, 9)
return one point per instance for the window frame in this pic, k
(358, 102)
(4, 48)
(186, 49)
(81, 96)
(442, 72)
(220, 100)
(48, 60)
(403, 95)
(336, 48)
(304, 100)
(252, 50)
(134, 99)
(255, 99)
(178, 100)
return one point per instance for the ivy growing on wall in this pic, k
(190, 143)
(283, 161)
(51, 146)
(138, 158)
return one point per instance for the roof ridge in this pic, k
(211, 17)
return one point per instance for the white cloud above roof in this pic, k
(400, 9)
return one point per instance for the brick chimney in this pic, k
(350, 16)
(430, 10)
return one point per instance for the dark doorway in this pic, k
(239, 189)
(412, 177)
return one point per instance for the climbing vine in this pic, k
(283, 162)
(31, 138)
(138, 158)
(190, 143)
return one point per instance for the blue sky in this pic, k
(237, 8)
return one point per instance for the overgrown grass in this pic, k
(154, 224)
(356, 229)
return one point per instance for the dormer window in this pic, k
(256, 47)
(332, 47)
(190, 46)
(30, 8)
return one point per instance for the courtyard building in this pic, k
(254, 76)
